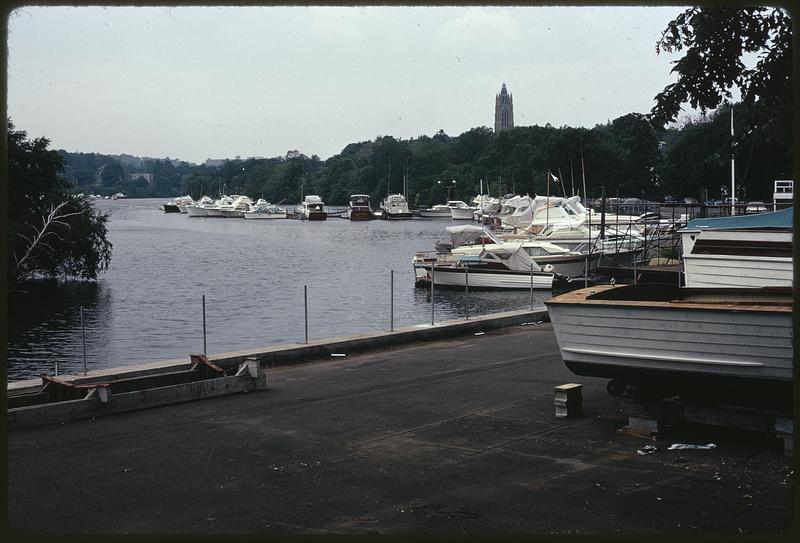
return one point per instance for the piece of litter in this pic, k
(647, 449)
(681, 446)
(479, 333)
(338, 354)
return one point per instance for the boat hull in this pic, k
(462, 214)
(360, 215)
(456, 277)
(316, 216)
(171, 208)
(672, 346)
(193, 211)
(386, 215)
(256, 215)
(704, 270)
(430, 214)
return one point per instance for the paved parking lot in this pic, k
(455, 436)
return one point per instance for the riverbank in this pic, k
(454, 436)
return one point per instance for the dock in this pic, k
(454, 434)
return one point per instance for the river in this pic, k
(148, 305)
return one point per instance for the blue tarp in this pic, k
(777, 219)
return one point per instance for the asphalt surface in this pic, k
(450, 437)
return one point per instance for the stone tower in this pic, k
(503, 110)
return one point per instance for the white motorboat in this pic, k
(444, 211)
(184, 201)
(312, 208)
(263, 209)
(200, 207)
(504, 266)
(236, 207)
(215, 209)
(359, 208)
(394, 206)
(662, 339)
(741, 251)
(460, 211)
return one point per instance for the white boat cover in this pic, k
(513, 255)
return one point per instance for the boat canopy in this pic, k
(512, 255)
(776, 219)
(468, 234)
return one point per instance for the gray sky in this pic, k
(200, 82)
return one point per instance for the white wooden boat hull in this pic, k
(211, 212)
(606, 339)
(706, 270)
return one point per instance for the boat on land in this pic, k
(359, 208)
(740, 251)
(394, 207)
(263, 209)
(505, 266)
(659, 340)
(312, 208)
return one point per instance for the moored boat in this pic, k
(263, 209)
(394, 206)
(359, 209)
(312, 208)
(506, 266)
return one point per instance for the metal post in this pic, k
(83, 338)
(432, 271)
(391, 300)
(305, 308)
(466, 289)
(531, 287)
(205, 352)
(634, 264)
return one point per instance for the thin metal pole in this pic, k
(531, 287)
(305, 308)
(466, 290)
(391, 300)
(432, 272)
(205, 352)
(83, 338)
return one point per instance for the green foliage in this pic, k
(51, 232)
(715, 41)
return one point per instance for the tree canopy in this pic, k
(52, 232)
(715, 42)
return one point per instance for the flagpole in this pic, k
(547, 208)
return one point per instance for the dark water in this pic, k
(148, 305)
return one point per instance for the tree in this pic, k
(51, 232)
(715, 40)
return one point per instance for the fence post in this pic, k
(531, 287)
(205, 352)
(466, 289)
(432, 272)
(305, 309)
(83, 339)
(391, 300)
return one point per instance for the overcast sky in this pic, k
(200, 82)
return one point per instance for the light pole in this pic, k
(449, 185)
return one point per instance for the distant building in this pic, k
(214, 162)
(146, 176)
(503, 110)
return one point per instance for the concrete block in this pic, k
(568, 400)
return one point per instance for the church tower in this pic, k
(503, 110)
